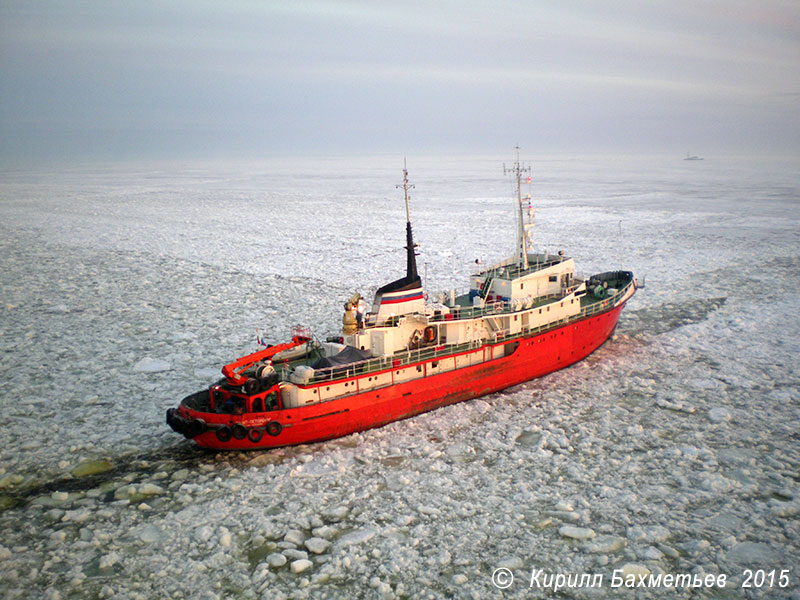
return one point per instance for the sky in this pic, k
(208, 79)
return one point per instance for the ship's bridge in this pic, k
(545, 275)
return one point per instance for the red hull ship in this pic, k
(521, 319)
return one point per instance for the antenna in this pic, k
(411, 260)
(524, 227)
(406, 186)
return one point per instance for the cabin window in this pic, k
(522, 286)
(235, 405)
(419, 368)
(258, 405)
(553, 277)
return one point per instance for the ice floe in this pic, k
(672, 449)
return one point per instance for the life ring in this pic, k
(239, 431)
(430, 334)
(274, 428)
(224, 433)
(498, 306)
(255, 435)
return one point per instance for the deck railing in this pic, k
(514, 270)
(402, 359)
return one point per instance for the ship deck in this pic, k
(621, 281)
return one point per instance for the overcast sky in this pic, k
(245, 79)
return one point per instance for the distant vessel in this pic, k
(522, 318)
(690, 156)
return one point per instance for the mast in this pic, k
(523, 226)
(411, 260)
(402, 296)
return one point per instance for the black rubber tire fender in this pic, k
(255, 435)
(224, 433)
(174, 421)
(239, 431)
(194, 428)
(274, 428)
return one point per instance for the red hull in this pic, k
(535, 356)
